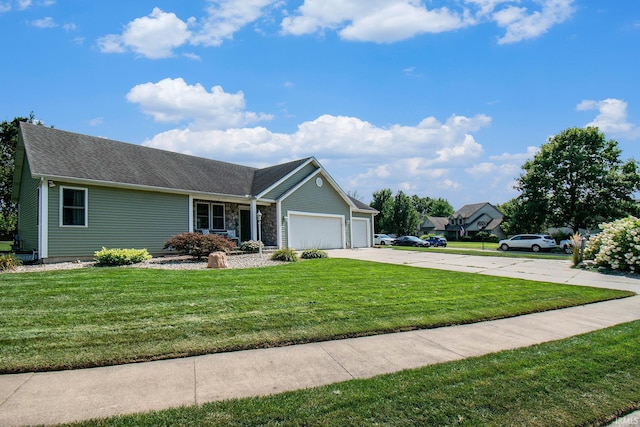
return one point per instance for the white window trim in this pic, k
(86, 206)
(210, 206)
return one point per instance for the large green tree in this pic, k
(383, 202)
(8, 142)
(440, 207)
(405, 215)
(577, 179)
(427, 206)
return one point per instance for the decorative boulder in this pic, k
(217, 260)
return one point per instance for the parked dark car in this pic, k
(437, 241)
(410, 241)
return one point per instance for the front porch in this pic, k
(236, 221)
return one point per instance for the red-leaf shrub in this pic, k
(199, 245)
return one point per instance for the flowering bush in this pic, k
(121, 256)
(618, 246)
(199, 245)
(251, 246)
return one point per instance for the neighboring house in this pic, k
(434, 225)
(468, 220)
(77, 193)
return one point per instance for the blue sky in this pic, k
(439, 98)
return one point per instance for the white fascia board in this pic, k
(334, 185)
(196, 194)
(287, 176)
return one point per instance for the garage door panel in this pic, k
(360, 233)
(310, 231)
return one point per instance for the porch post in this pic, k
(254, 229)
(190, 214)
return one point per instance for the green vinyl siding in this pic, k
(118, 218)
(313, 199)
(28, 210)
(290, 182)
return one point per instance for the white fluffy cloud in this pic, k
(158, 34)
(430, 155)
(380, 21)
(225, 17)
(521, 23)
(611, 118)
(154, 36)
(386, 21)
(173, 100)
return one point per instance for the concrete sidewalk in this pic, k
(55, 397)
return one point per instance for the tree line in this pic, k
(401, 214)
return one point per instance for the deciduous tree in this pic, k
(577, 179)
(8, 142)
(405, 215)
(383, 202)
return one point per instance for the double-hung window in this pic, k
(209, 216)
(73, 207)
(217, 216)
(202, 216)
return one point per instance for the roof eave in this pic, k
(126, 186)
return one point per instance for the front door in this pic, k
(245, 225)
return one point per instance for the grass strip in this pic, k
(488, 252)
(584, 380)
(106, 316)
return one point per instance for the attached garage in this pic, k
(361, 233)
(316, 231)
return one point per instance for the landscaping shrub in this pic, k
(251, 246)
(286, 254)
(314, 253)
(9, 262)
(576, 249)
(617, 247)
(199, 245)
(121, 256)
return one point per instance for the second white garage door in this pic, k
(361, 236)
(316, 231)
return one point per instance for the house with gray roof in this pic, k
(468, 220)
(78, 193)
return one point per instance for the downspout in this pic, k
(43, 216)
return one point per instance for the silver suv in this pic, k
(534, 242)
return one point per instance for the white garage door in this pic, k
(315, 232)
(360, 233)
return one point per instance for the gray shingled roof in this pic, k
(467, 210)
(361, 205)
(439, 222)
(61, 154)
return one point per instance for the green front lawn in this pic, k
(101, 316)
(5, 246)
(584, 380)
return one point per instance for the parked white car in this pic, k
(533, 242)
(382, 239)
